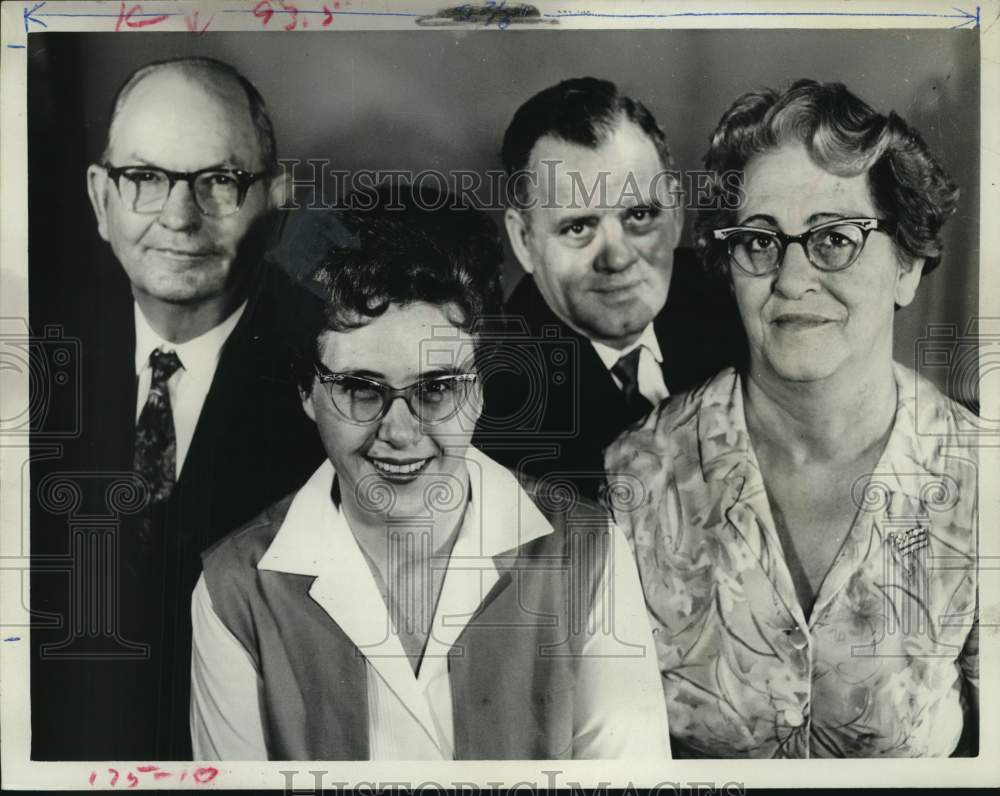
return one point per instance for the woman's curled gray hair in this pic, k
(843, 135)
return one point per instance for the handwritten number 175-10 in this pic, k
(132, 777)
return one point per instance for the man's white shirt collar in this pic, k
(198, 355)
(610, 356)
(650, 374)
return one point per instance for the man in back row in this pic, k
(187, 393)
(610, 317)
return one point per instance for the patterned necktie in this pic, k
(155, 441)
(626, 370)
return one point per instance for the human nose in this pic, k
(180, 212)
(399, 427)
(618, 252)
(796, 276)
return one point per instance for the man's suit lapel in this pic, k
(602, 413)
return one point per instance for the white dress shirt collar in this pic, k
(500, 517)
(188, 387)
(610, 356)
(197, 355)
(650, 371)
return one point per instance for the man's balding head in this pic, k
(215, 77)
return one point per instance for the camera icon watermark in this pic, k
(530, 384)
(41, 382)
(961, 363)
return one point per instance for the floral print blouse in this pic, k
(887, 663)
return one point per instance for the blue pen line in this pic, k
(26, 16)
(116, 14)
(13, 638)
(968, 19)
(16, 46)
(963, 15)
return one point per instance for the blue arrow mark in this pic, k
(29, 15)
(965, 16)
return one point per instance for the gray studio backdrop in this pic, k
(442, 99)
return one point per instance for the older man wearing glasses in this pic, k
(185, 386)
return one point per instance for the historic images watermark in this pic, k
(315, 184)
(298, 782)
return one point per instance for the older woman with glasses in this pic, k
(414, 600)
(791, 518)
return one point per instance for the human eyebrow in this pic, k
(760, 218)
(441, 373)
(569, 221)
(362, 373)
(138, 160)
(820, 218)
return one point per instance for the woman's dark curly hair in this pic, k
(845, 136)
(415, 246)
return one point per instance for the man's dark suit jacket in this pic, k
(551, 407)
(104, 696)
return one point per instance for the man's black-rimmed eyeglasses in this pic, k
(830, 246)
(363, 400)
(216, 192)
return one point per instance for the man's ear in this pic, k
(907, 279)
(517, 232)
(279, 189)
(97, 189)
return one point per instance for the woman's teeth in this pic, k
(398, 469)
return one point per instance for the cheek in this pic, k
(451, 446)
(869, 302)
(127, 229)
(750, 297)
(656, 248)
(562, 271)
(225, 235)
(340, 438)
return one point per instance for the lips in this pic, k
(801, 321)
(613, 292)
(399, 469)
(184, 254)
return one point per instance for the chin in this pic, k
(802, 369)
(630, 326)
(185, 293)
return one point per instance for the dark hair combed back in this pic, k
(845, 136)
(406, 253)
(199, 67)
(584, 111)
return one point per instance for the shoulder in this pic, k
(669, 430)
(580, 542)
(934, 413)
(942, 434)
(560, 502)
(241, 550)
